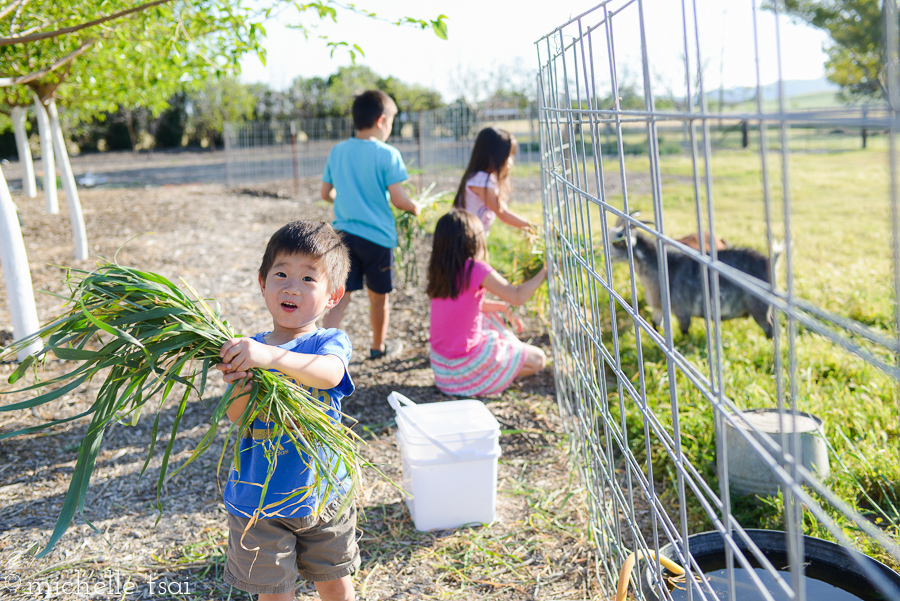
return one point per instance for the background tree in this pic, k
(343, 85)
(855, 58)
(317, 97)
(510, 85)
(217, 103)
(409, 98)
(306, 97)
(114, 53)
(153, 50)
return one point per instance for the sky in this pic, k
(487, 38)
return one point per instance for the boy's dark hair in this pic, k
(489, 154)
(458, 237)
(369, 106)
(316, 239)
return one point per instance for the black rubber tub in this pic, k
(833, 573)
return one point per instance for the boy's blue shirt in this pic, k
(361, 171)
(242, 492)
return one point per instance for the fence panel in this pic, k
(787, 422)
(432, 142)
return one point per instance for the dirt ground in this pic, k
(213, 238)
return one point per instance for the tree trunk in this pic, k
(16, 274)
(132, 135)
(48, 182)
(28, 183)
(79, 232)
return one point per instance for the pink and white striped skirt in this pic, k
(488, 369)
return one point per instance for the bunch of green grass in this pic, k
(525, 260)
(144, 335)
(411, 231)
(526, 266)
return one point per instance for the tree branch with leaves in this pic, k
(856, 55)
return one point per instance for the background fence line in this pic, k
(628, 391)
(430, 141)
(440, 140)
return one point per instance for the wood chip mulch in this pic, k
(126, 547)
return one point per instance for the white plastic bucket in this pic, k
(448, 453)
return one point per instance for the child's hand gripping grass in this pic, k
(527, 261)
(144, 335)
(411, 231)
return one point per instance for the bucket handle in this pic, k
(395, 399)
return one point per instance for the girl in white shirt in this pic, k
(484, 190)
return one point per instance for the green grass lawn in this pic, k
(840, 261)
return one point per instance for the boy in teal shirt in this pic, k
(363, 177)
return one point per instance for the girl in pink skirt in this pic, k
(472, 352)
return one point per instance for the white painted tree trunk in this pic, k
(79, 232)
(48, 182)
(28, 183)
(16, 273)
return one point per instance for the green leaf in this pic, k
(109, 329)
(153, 437)
(21, 369)
(84, 466)
(71, 354)
(47, 397)
(439, 27)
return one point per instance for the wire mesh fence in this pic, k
(752, 439)
(284, 150)
(431, 142)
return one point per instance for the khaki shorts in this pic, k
(275, 551)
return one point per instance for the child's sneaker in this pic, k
(392, 348)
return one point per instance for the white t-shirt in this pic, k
(474, 204)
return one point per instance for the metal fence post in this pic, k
(420, 127)
(294, 158)
(228, 133)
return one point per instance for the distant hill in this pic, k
(793, 87)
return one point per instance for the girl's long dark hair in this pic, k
(489, 154)
(458, 237)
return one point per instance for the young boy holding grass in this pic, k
(302, 275)
(361, 174)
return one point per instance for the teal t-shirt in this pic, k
(361, 171)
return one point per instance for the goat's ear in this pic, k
(620, 221)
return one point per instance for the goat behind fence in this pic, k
(655, 416)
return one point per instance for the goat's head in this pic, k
(618, 245)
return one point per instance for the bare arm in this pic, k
(514, 295)
(489, 305)
(239, 404)
(328, 192)
(499, 206)
(240, 355)
(400, 200)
